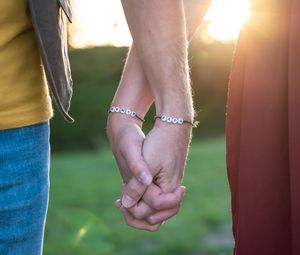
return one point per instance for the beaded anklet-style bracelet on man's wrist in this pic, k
(174, 120)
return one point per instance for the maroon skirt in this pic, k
(263, 131)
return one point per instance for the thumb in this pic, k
(138, 168)
(136, 163)
(132, 193)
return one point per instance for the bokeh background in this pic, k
(82, 219)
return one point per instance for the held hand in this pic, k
(153, 209)
(165, 150)
(126, 139)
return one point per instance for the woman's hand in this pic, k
(126, 139)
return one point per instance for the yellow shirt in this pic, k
(24, 96)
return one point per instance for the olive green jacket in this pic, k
(49, 19)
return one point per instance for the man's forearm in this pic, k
(159, 33)
(134, 91)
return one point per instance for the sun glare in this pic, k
(225, 18)
(102, 22)
(99, 22)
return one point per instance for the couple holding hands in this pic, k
(262, 121)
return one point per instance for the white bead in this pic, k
(112, 109)
(169, 119)
(123, 110)
(174, 120)
(180, 121)
(117, 109)
(133, 114)
(164, 118)
(128, 112)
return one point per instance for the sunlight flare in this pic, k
(99, 22)
(225, 18)
(81, 233)
(102, 22)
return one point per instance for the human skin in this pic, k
(162, 77)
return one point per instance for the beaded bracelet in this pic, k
(174, 120)
(122, 110)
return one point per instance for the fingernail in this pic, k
(127, 201)
(118, 203)
(145, 178)
(180, 191)
(183, 190)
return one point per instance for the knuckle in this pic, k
(173, 202)
(150, 200)
(136, 168)
(156, 204)
(136, 213)
(152, 220)
(177, 201)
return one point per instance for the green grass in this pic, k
(82, 219)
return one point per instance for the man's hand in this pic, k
(165, 149)
(127, 138)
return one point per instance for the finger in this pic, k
(138, 224)
(123, 168)
(162, 216)
(141, 210)
(118, 203)
(159, 200)
(132, 192)
(132, 152)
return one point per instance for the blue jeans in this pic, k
(24, 188)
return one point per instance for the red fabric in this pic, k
(263, 131)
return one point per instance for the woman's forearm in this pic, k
(134, 91)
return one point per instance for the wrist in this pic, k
(179, 107)
(119, 119)
(174, 100)
(181, 133)
(116, 122)
(139, 104)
